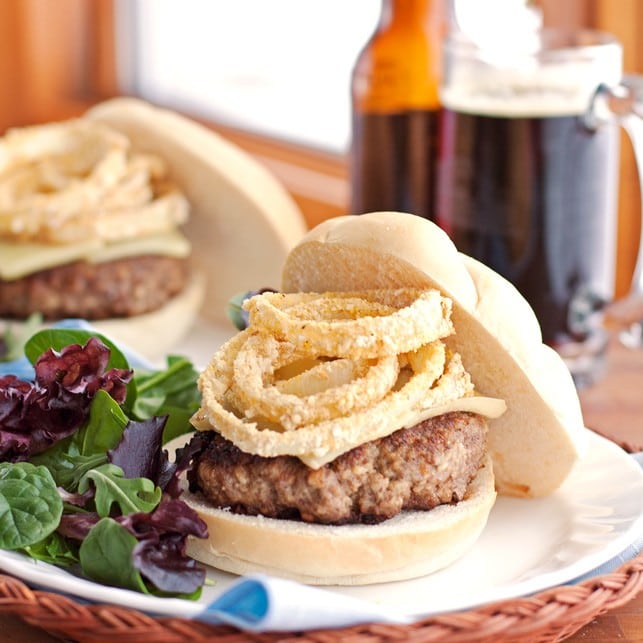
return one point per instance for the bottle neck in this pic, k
(400, 67)
(401, 14)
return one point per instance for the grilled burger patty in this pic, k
(119, 288)
(418, 468)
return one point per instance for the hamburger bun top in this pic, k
(242, 221)
(536, 442)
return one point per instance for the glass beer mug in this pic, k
(529, 174)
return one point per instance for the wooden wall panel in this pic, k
(568, 14)
(52, 52)
(624, 19)
(56, 57)
(9, 63)
(100, 78)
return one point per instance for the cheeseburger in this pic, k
(135, 218)
(359, 429)
(89, 227)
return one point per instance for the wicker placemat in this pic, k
(550, 615)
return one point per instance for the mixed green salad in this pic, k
(84, 480)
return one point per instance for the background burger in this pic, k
(135, 218)
(398, 486)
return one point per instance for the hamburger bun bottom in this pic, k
(411, 544)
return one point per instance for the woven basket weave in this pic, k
(551, 615)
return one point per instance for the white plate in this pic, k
(527, 546)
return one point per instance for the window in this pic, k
(281, 68)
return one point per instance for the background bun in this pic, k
(243, 221)
(411, 544)
(537, 441)
(153, 334)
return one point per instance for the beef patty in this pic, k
(418, 468)
(119, 288)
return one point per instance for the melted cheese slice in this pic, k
(491, 407)
(22, 259)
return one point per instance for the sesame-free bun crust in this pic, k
(409, 545)
(536, 442)
(243, 221)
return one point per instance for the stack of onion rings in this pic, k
(315, 375)
(77, 180)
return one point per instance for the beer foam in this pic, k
(522, 86)
(517, 101)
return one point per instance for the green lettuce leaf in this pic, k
(130, 494)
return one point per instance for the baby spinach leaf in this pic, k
(177, 380)
(178, 421)
(71, 458)
(130, 494)
(57, 459)
(106, 556)
(70, 476)
(234, 309)
(30, 507)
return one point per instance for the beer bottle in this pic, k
(395, 110)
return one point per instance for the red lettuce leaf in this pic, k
(76, 526)
(160, 553)
(36, 415)
(139, 453)
(81, 370)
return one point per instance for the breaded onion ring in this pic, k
(342, 324)
(315, 375)
(318, 443)
(77, 180)
(255, 389)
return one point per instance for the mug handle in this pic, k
(625, 103)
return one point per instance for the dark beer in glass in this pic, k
(526, 184)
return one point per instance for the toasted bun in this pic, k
(536, 442)
(242, 223)
(411, 544)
